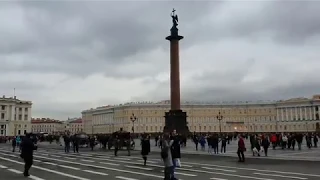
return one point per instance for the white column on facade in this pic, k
(310, 113)
(282, 114)
(291, 113)
(287, 114)
(300, 108)
(277, 116)
(295, 113)
(314, 113)
(305, 113)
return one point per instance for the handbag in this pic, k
(177, 162)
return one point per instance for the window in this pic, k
(26, 109)
(20, 117)
(25, 117)
(3, 107)
(2, 115)
(19, 132)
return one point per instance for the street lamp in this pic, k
(219, 117)
(133, 118)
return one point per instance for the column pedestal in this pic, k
(176, 120)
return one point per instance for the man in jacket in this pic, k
(27, 148)
(167, 158)
(241, 149)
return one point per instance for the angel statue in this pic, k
(174, 18)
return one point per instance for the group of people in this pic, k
(170, 145)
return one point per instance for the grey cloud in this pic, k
(89, 37)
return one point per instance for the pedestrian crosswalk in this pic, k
(50, 164)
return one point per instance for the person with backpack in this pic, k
(167, 158)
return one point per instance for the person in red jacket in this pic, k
(273, 140)
(241, 149)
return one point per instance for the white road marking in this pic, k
(84, 160)
(15, 171)
(35, 160)
(45, 169)
(20, 172)
(3, 167)
(253, 169)
(69, 167)
(218, 179)
(50, 163)
(218, 169)
(277, 175)
(112, 164)
(137, 167)
(153, 162)
(55, 156)
(219, 173)
(85, 154)
(125, 178)
(100, 167)
(95, 172)
(185, 174)
(126, 159)
(70, 158)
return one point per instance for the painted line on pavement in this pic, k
(218, 179)
(137, 167)
(125, 178)
(218, 169)
(69, 167)
(96, 172)
(185, 174)
(45, 169)
(85, 160)
(112, 164)
(20, 172)
(119, 158)
(70, 158)
(54, 156)
(253, 169)
(87, 165)
(3, 167)
(276, 175)
(50, 163)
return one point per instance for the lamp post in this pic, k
(219, 117)
(133, 118)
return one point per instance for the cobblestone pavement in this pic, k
(52, 164)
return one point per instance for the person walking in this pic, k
(241, 149)
(145, 148)
(167, 158)
(18, 142)
(14, 144)
(265, 144)
(223, 144)
(27, 148)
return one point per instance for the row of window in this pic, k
(3, 108)
(15, 117)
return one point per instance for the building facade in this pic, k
(15, 116)
(293, 115)
(46, 125)
(74, 126)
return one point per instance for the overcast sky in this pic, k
(71, 56)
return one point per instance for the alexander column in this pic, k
(175, 119)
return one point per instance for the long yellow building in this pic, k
(293, 115)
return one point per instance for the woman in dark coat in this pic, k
(145, 148)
